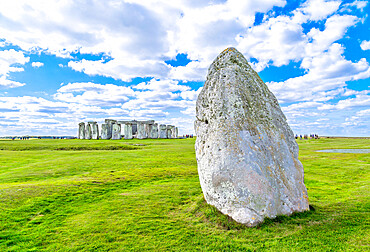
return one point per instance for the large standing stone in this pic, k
(88, 131)
(104, 131)
(110, 123)
(81, 130)
(246, 152)
(127, 130)
(94, 130)
(153, 132)
(141, 130)
(174, 132)
(147, 128)
(116, 131)
(170, 131)
(162, 131)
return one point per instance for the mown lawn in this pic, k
(98, 195)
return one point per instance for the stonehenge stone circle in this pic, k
(246, 152)
(113, 129)
(81, 130)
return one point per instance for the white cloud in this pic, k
(94, 94)
(162, 85)
(361, 100)
(327, 75)
(37, 64)
(319, 9)
(357, 4)
(365, 45)
(10, 61)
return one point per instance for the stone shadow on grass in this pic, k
(212, 215)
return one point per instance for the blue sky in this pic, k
(63, 62)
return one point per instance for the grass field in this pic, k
(99, 195)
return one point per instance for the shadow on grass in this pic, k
(210, 214)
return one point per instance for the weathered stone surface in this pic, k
(246, 152)
(116, 131)
(162, 131)
(147, 129)
(81, 130)
(109, 122)
(173, 132)
(141, 130)
(127, 130)
(94, 130)
(169, 131)
(88, 131)
(153, 131)
(104, 131)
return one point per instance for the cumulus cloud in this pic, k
(88, 93)
(326, 76)
(365, 45)
(11, 61)
(37, 64)
(319, 9)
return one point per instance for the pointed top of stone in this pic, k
(228, 57)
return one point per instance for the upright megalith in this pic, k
(94, 130)
(109, 123)
(81, 130)
(174, 132)
(141, 130)
(153, 130)
(127, 130)
(116, 131)
(162, 131)
(105, 131)
(246, 152)
(88, 131)
(169, 131)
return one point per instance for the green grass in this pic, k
(89, 195)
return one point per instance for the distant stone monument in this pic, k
(81, 130)
(113, 129)
(246, 152)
